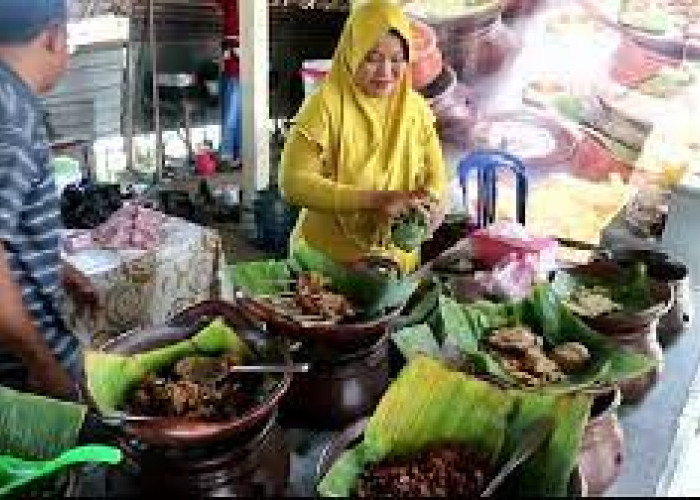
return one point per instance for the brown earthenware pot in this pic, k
(601, 456)
(340, 386)
(677, 276)
(179, 432)
(635, 331)
(254, 463)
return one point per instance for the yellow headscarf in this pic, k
(367, 142)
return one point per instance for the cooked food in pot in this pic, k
(591, 301)
(195, 388)
(522, 353)
(313, 298)
(444, 471)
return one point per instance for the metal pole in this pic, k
(156, 96)
(129, 97)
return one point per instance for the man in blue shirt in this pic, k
(34, 342)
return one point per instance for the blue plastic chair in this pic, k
(486, 163)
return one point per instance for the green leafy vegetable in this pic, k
(409, 230)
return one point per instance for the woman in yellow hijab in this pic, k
(364, 148)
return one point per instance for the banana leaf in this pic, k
(430, 404)
(415, 341)
(37, 428)
(461, 329)
(557, 324)
(373, 293)
(422, 307)
(547, 472)
(110, 377)
(260, 277)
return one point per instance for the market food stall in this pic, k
(564, 343)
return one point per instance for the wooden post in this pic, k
(255, 63)
(156, 96)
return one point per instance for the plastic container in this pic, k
(313, 72)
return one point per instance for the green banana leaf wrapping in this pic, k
(37, 428)
(429, 404)
(260, 278)
(372, 294)
(110, 377)
(461, 328)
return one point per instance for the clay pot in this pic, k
(452, 103)
(634, 331)
(344, 336)
(175, 456)
(677, 276)
(427, 63)
(476, 49)
(252, 464)
(178, 432)
(340, 387)
(601, 456)
(352, 435)
(644, 341)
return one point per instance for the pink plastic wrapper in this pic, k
(503, 240)
(513, 279)
(131, 227)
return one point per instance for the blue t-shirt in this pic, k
(30, 216)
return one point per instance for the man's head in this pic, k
(34, 41)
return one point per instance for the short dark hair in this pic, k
(404, 43)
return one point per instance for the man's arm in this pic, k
(18, 332)
(19, 335)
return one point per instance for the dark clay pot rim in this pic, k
(624, 320)
(340, 359)
(334, 335)
(176, 432)
(352, 434)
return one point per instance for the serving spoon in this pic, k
(16, 472)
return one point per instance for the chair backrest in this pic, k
(486, 163)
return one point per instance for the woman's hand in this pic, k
(392, 204)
